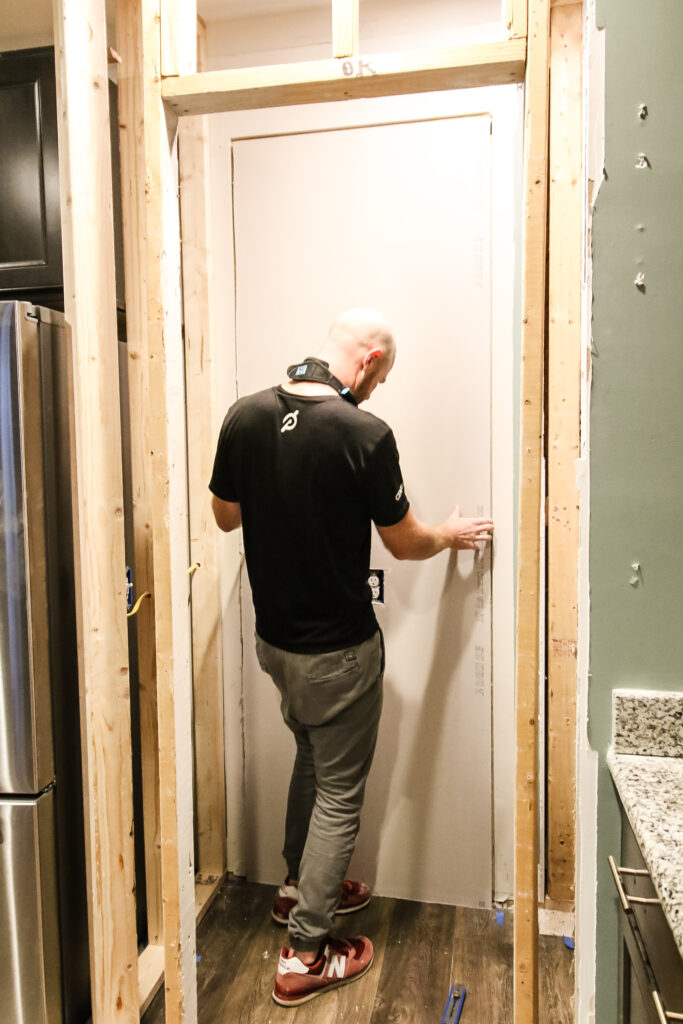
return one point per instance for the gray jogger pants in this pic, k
(332, 703)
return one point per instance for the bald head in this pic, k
(358, 331)
(360, 350)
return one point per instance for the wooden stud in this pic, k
(344, 28)
(151, 974)
(131, 146)
(207, 657)
(516, 18)
(160, 297)
(151, 960)
(90, 308)
(178, 34)
(528, 554)
(383, 74)
(564, 380)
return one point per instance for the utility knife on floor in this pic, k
(456, 997)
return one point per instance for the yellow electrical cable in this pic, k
(136, 607)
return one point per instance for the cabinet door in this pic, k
(30, 233)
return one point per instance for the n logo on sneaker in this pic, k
(336, 966)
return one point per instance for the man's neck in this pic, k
(308, 387)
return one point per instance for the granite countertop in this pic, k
(649, 781)
(651, 790)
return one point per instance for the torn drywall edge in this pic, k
(587, 759)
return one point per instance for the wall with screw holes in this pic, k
(636, 485)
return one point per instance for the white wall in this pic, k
(258, 39)
(305, 33)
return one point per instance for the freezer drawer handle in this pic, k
(626, 900)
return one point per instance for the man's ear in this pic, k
(370, 356)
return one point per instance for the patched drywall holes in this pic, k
(637, 574)
(642, 162)
(642, 111)
(639, 281)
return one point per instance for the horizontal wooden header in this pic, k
(386, 74)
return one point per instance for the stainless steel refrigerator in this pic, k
(44, 964)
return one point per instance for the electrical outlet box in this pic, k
(376, 584)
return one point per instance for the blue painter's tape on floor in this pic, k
(456, 998)
(569, 943)
(500, 917)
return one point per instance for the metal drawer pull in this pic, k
(627, 900)
(663, 1014)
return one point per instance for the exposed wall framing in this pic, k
(90, 307)
(516, 18)
(384, 74)
(528, 547)
(90, 310)
(344, 28)
(157, 292)
(565, 244)
(131, 148)
(207, 659)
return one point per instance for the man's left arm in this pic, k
(228, 514)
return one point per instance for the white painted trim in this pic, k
(587, 759)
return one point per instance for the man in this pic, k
(304, 471)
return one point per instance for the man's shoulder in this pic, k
(254, 403)
(369, 424)
(265, 397)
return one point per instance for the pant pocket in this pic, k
(261, 653)
(337, 665)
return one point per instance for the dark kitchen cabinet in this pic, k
(30, 231)
(30, 220)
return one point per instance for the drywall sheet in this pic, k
(396, 216)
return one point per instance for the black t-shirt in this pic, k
(310, 473)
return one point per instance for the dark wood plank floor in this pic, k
(420, 950)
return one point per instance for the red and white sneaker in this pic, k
(355, 896)
(339, 962)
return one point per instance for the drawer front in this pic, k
(660, 945)
(652, 971)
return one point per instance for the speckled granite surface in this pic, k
(651, 790)
(648, 722)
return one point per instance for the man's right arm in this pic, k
(411, 539)
(228, 514)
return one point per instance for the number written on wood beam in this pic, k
(357, 68)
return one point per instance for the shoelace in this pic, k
(345, 947)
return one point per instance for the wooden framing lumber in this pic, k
(528, 553)
(344, 28)
(151, 960)
(159, 285)
(382, 74)
(564, 378)
(90, 307)
(131, 147)
(516, 18)
(178, 28)
(207, 654)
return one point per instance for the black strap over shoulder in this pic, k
(317, 370)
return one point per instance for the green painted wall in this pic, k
(637, 401)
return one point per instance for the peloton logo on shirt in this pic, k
(289, 422)
(399, 492)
